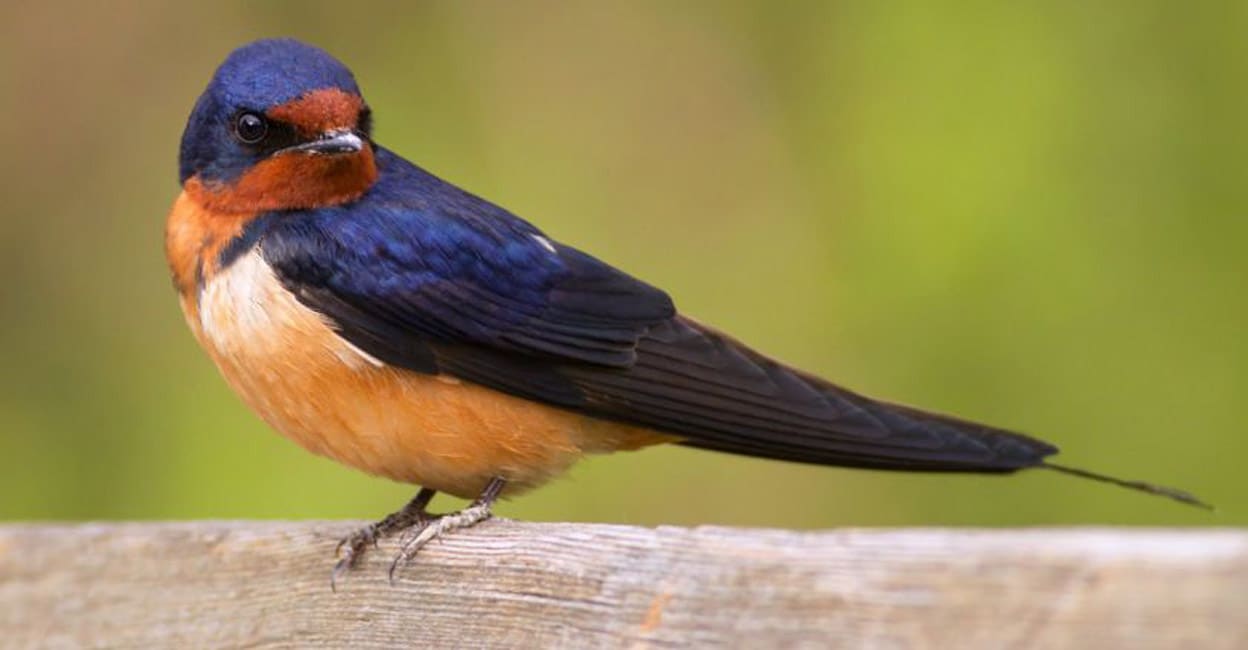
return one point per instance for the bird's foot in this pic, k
(417, 537)
(355, 544)
(352, 547)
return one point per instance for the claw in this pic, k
(394, 566)
(339, 569)
(419, 528)
(434, 530)
(357, 539)
(354, 544)
(357, 542)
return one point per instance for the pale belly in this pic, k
(336, 401)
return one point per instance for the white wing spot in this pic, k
(544, 242)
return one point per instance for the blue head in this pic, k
(281, 125)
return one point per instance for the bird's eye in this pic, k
(250, 128)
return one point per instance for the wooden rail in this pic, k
(511, 584)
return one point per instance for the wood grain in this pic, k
(511, 584)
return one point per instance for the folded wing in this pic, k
(459, 286)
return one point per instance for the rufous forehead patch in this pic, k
(319, 111)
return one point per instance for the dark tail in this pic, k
(1025, 452)
(713, 392)
(1139, 486)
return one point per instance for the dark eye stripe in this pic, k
(276, 133)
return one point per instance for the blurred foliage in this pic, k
(1032, 214)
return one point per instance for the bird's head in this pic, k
(281, 126)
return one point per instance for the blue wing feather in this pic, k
(422, 256)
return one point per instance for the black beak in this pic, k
(330, 143)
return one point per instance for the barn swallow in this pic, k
(382, 317)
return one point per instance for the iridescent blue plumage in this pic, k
(451, 267)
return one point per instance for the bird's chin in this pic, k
(292, 179)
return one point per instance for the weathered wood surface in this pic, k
(265, 584)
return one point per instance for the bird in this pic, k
(382, 317)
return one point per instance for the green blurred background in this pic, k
(1034, 214)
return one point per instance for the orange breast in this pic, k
(334, 400)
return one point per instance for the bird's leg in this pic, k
(412, 514)
(474, 514)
